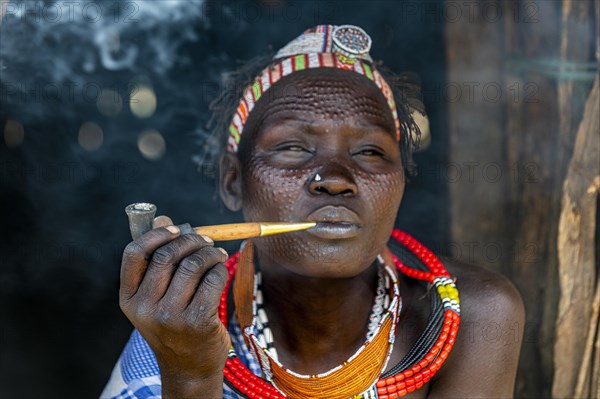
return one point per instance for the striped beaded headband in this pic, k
(325, 46)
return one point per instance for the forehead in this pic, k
(321, 96)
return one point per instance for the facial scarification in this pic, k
(338, 125)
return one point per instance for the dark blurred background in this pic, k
(105, 103)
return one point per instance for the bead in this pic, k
(263, 341)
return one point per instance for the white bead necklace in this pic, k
(380, 304)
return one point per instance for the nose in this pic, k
(334, 180)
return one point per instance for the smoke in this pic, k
(68, 40)
(72, 60)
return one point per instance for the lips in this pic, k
(334, 222)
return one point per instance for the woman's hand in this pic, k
(170, 289)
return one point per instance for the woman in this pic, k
(330, 312)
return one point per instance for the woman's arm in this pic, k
(171, 285)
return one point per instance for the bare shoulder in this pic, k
(485, 295)
(484, 360)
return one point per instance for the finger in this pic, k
(162, 221)
(205, 303)
(164, 262)
(188, 275)
(136, 257)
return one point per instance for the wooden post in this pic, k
(577, 325)
(577, 346)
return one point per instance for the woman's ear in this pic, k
(230, 181)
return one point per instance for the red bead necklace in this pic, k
(414, 375)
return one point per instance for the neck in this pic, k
(317, 323)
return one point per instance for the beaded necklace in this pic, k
(263, 329)
(358, 374)
(419, 365)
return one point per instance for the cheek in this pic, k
(270, 193)
(383, 194)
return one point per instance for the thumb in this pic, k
(161, 221)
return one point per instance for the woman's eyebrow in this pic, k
(273, 125)
(312, 127)
(300, 120)
(286, 120)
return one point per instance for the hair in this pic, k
(407, 94)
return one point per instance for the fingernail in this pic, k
(173, 229)
(224, 252)
(208, 239)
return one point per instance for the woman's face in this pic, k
(322, 148)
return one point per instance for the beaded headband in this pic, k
(324, 46)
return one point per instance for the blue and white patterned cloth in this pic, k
(136, 374)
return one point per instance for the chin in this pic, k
(318, 258)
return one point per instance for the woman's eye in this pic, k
(371, 152)
(292, 147)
